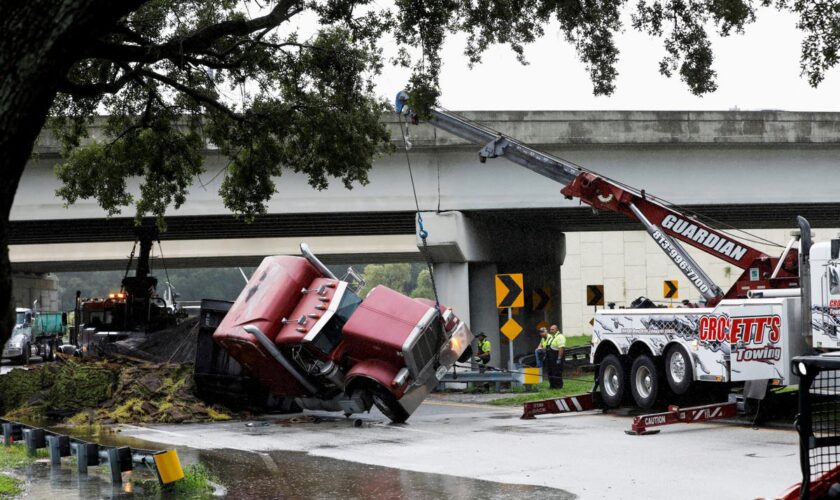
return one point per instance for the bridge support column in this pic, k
(468, 252)
(30, 287)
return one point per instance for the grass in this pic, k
(576, 385)
(14, 456)
(9, 486)
(196, 485)
(578, 340)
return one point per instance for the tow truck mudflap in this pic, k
(568, 404)
(676, 415)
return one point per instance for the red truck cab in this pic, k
(303, 333)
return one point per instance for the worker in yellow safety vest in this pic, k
(539, 352)
(555, 355)
(482, 352)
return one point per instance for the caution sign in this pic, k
(541, 299)
(511, 329)
(594, 295)
(510, 292)
(671, 289)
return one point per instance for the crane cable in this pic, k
(421, 230)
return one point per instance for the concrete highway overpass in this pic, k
(753, 170)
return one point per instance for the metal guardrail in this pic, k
(119, 459)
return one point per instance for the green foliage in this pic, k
(578, 340)
(577, 385)
(15, 456)
(197, 484)
(424, 286)
(394, 276)
(10, 487)
(191, 284)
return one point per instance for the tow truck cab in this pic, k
(305, 334)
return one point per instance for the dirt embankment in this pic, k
(116, 390)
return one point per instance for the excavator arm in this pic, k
(664, 224)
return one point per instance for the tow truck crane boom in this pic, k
(664, 224)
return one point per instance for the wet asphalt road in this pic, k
(587, 455)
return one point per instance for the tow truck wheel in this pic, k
(388, 405)
(678, 371)
(613, 381)
(644, 381)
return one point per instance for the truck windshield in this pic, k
(19, 318)
(330, 334)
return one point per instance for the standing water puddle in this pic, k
(277, 474)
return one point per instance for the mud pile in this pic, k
(104, 392)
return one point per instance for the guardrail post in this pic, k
(113, 458)
(87, 454)
(7, 434)
(59, 446)
(34, 439)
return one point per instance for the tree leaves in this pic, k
(177, 76)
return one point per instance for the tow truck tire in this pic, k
(613, 381)
(678, 370)
(388, 405)
(644, 381)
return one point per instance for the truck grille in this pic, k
(424, 349)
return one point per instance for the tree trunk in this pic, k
(39, 41)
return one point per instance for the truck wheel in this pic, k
(678, 370)
(613, 381)
(644, 381)
(388, 405)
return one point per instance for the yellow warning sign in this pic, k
(594, 295)
(510, 292)
(671, 289)
(511, 329)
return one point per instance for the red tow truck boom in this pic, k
(663, 223)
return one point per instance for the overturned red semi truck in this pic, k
(305, 334)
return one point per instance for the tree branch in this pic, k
(96, 89)
(195, 94)
(197, 42)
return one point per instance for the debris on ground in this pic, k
(114, 390)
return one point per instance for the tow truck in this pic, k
(135, 308)
(303, 333)
(748, 334)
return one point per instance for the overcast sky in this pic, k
(757, 70)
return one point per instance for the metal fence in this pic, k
(118, 459)
(818, 424)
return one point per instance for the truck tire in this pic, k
(388, 405)
(678, 370)
(613, 381)
(644, 381)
